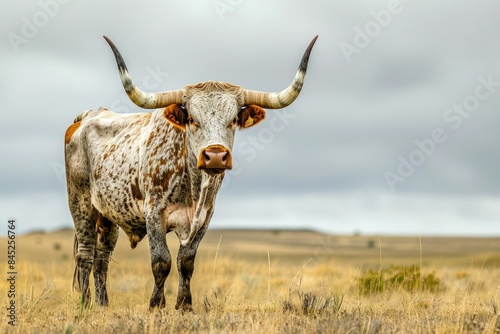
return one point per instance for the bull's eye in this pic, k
(234, 122)
(191, 121)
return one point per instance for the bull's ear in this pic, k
(176, 115)
(250, 115)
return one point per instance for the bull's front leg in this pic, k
(161, 261)
(185, 266)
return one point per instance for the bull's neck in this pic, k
(193, 173)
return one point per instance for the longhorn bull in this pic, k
(153, 173)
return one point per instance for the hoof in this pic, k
(157, 304)
(184, 308)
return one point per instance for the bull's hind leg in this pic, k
(107, 235)
(84, 217)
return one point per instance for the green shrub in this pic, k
(397, 277)
(371, 282)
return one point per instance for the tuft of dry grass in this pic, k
(254, 282)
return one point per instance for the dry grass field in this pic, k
(269, 282)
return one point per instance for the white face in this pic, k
(212, 120)
(210, 127)
(210, 114)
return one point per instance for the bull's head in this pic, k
(211, 111)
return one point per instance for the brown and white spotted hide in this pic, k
(152, 173)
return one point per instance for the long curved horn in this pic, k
(140, 98)
(288, 95)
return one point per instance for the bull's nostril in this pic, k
(206, 157)
(224, 157)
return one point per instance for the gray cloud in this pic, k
(350, 125)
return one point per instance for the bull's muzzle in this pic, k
(215, 159)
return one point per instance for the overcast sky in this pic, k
(396, 131)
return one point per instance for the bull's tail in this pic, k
(76, 275)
